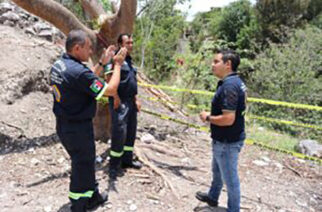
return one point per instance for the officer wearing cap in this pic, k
(124, 107)
(76, 89)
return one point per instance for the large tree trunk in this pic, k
(111, 26)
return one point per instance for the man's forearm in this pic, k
(97, 69)
(114, 82)
(222, 120)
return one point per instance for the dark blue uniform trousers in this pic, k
(78, 139)
(124, 124)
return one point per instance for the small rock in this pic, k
(34, 161)
(129, 202)
(2, 195)
(8, 23)
(133, 207)
(109, 205)
(185, 160)
(10, 16)
(310, 147)
(31, 150)
(47, 34)
(302, 204)
(278, 165)
(147, 138)
(39, 26)
(5, 7)
(260, 163)
(301, 160)
(313, 201)
(61, 160)
(47, 209)
(266, 159)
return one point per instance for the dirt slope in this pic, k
(34, 168)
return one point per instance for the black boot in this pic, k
(96, 200)
(79, 205)
(203, 197)
(132, 164)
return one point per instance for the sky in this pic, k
(203, 6)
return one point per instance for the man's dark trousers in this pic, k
(78, 139)
(124, 124)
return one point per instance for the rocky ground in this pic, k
(34, 167)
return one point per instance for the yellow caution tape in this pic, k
(295, 154)
(286, 104)
(165, 117)
(248, 141)
(176, 89)
(285, 122)
(250, 116)
(250, 99)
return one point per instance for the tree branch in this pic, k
(56, 14)
(122, 22)
(114, 7)
(92, 8)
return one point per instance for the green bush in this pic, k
(291, 72)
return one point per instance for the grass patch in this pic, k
(261, 134)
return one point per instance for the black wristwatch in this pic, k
(208, 118)
(100, 63)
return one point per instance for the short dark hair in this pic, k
(120, 38)
(228, 54)
(75, 37)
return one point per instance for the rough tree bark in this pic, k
(121, 21)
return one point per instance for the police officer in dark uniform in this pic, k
(227, 130)
(124, 107)
(76, 89)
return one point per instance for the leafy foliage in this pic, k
(157, 34)
(278, 17)
(291, 72)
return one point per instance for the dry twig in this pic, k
(144, 159)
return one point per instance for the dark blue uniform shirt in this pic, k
(128, 86)
(230, 95)
(76, 89)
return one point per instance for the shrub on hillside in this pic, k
(291, 72)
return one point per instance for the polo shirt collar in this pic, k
(68, 56)
(231, 75)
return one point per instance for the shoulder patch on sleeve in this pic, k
(96, 86)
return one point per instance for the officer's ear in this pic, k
(228, 64)
(76, 47)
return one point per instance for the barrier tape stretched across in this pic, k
(250, 99)
(164, 117)
(176, 89)
(248, 141)
(206, 129)
(285, 122)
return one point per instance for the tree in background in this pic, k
(277, 17)
(204, 27)
(109, 27)
(157, 33)
(292, 71)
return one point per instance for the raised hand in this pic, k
(120, 56)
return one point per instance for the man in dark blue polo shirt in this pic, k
(227, 130)
(76, 89)
(124, 107)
